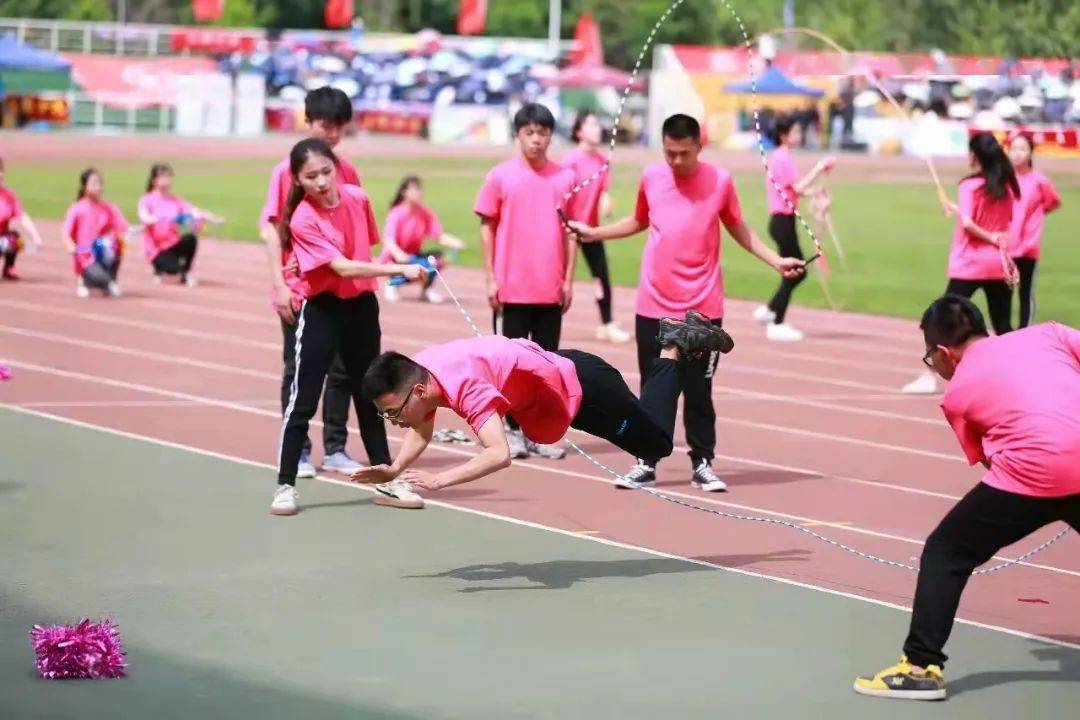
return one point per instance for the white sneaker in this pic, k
(285, 499)
(782, 332)
(305, 469)
(925, 384)
(641, 475)
(191, 281)
(519, 449)
(707, 480)
(155, 279)
(81, 290)
(398, 493)
(551, 452)
(763, 315)
(390, 293)
(431, 296)
(114, 289)
(612, 333)
(340, 462)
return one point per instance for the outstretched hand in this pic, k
(373, 475)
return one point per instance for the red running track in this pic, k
(813, 433)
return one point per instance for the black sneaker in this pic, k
(641, 475)
(706, 479)
(693, 340)
(696, 319)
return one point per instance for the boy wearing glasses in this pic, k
(483, 379)
(1012, 401)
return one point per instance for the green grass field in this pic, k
(896, 239)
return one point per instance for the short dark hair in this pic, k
(327, 103)
(952, 320)
(392, 372)
(681, 127)
(533, 114)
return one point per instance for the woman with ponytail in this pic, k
(979, 258)
(782, 190)
(330, 228)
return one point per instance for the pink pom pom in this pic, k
(86, 650)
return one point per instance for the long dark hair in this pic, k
(84, 178)
(994, 166)
(155, 170)
(399, 196)
(297, 157)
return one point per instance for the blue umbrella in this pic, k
(773, 82)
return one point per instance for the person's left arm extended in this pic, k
(494, 457)
(27, 227)
(568, 271)
(413, 446)
(749, 240)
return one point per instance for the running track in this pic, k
(813, 433)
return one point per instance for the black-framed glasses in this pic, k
(928, 358)
(395, 414)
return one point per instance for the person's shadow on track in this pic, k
(1068, 670)
(564, 574)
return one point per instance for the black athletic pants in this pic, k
(178, 259)
(97, 276)
(540, 323)
(327, 326)
(982, 523)
(998, 300)
(609, 410)
(1026, 266)
(695, 384)
(782, 231)
(596, 259)
(335, 398)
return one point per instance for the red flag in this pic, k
(207, 10)
(587, 47)
(338, 13)
(472, 17)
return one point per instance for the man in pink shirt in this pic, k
(328, 112)
(682, 202)
(528, 257)
(482, 379)
(1012, 402)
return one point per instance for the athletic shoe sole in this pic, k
(388, 500)
(709, 487)
(622, 485)
(306, 474)
(282, 512)
(902, 694)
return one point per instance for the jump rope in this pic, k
(818, 253)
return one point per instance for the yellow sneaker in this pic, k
(903, 682)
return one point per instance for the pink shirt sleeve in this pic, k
(965, 199)
(1071, 338)
(310, 244)
(372, 224)
(641, 208)
(967, 434)
(393, 223)
(1051, 199)
(435, 228)
(489, 199)
(271, 211)
(119, 222)
(730, 211)
(71, 221)
(480, 400)
(16, 205)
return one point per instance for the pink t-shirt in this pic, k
(10, 208)
(784, 174)
(88, 220)
(321, 235)
(163, 234)
(481, 377)
(277, 197)
(584, 205)
(972, 258)
(1013, 401)
(410, 226)
(680, 267)
(1037, 197)
(530, 249)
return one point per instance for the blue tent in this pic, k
(773, 82)
(16, 56)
